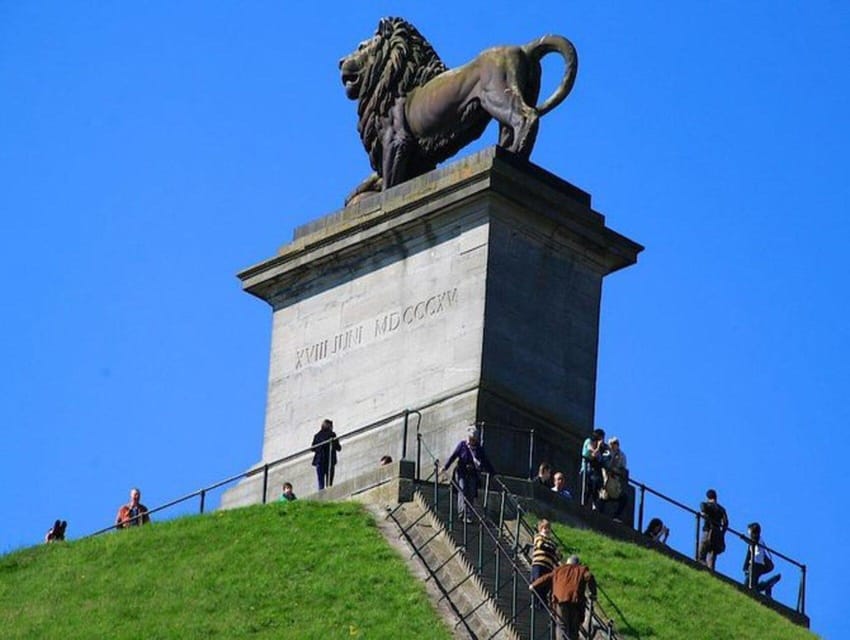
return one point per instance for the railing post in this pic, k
(480, 541)
(265, 481)
(696, 546)
(418, 454)
(437, 486)
(451, 504)
(640, 510)
(502, 511)
(801, 596)
(404, 436)
(750, 560)
(513, 592)
(516, 533)
(531, 473)
(203, 498)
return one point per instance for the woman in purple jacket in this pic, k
(471, 460)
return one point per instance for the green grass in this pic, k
(661, 599)
(299, 570)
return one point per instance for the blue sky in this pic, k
(148, 153)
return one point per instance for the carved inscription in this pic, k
(418, 312)
(376, 329)
(329, 347)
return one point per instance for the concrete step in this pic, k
(450, 580)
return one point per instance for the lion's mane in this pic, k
(401, 60)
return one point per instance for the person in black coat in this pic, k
(325, 445)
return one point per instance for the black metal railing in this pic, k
(525, 522)
(493, 562)
(508, 581)
(201, 494)
(641, 490)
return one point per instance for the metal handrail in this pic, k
(595, 621)
(502, 554)
(264, 469)
(643, 489)
(604, 621)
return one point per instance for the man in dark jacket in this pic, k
(325, 445)
(715, 523)
(571, 583)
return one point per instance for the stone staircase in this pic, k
(496, 561)
(479, 570)
(462, 595)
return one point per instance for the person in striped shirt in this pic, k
(544, 558)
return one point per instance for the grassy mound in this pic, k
(299, 570)
(661, 599)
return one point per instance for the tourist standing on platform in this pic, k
(325, 445)
(132, 514)
(714, 527)
(544, 475)
(592, 460)
(560, 486)
(471, 461)
(615, 474)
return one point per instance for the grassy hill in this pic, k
(316, 570)
(300, 570)
(661, 599)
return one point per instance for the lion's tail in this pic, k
(555, 44)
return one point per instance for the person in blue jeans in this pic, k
(471, 461)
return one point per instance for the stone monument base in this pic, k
(470, 295)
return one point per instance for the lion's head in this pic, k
(388, 65)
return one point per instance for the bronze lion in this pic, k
(414, 112)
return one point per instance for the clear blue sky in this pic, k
(148, 153)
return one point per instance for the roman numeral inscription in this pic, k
(414, 313)
(376, 329)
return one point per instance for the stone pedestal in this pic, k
(470, 294)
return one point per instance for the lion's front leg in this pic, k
(397, 145)
(370, 185)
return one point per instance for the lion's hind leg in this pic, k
(526, 135)
(518, 123)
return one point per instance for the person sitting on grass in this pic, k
(56, 533)
(657, 531)
(759, 559)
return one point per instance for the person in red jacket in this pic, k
(570, 585)
(132, 514)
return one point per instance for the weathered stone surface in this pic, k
(472, 292)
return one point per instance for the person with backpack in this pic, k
(758, 563)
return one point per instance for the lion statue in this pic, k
(414, 112)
